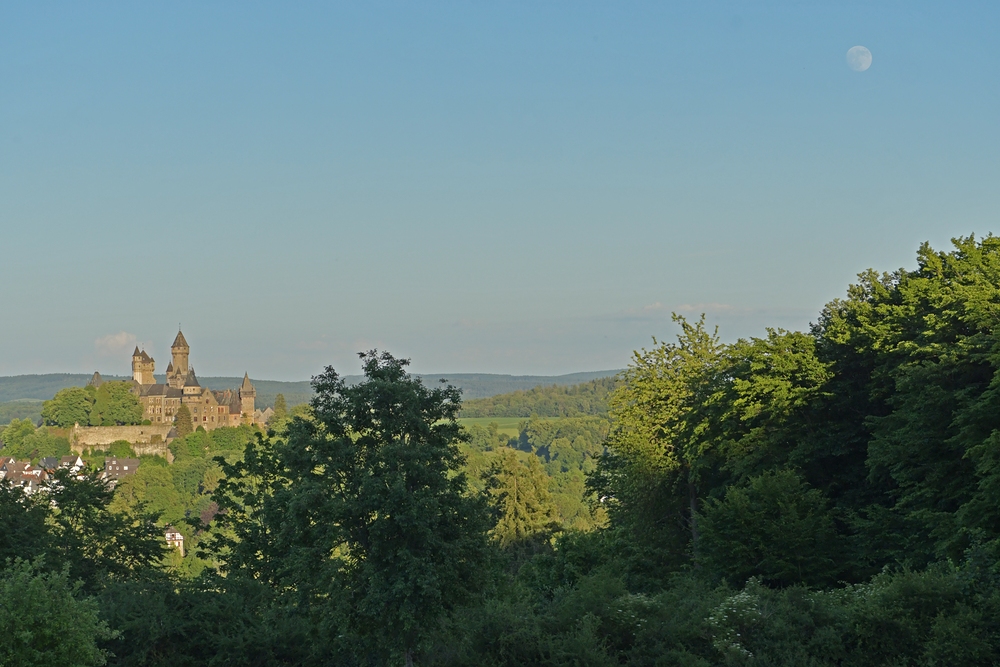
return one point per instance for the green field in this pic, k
(507, 425)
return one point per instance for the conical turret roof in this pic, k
(179, 341)
(136, 353)
(246, 382)
(191, 380)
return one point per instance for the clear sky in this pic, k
(513, 187)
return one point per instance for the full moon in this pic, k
(859, 58)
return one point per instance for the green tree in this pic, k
(115, 404)
(661, 446)
(25, 521)
(69, 406)
(519, 497)
(44, 621)
(774, 528)
(14, 435)
(364, 507)
(182, 421)
(280, 407)
(96, 541)
(151, 488)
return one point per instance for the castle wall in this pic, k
(82, 438)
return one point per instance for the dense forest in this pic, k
(829, 497)
(579, 400)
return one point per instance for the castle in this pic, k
(210, 409)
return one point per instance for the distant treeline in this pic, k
(579, 400)
(20, 410)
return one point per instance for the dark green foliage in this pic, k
(96, 541)
(43, 621)
(775, 528)
(115, 405)
(375, 475)
(24, 519)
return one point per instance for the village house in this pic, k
(72, 463)
(115, 469)
(174, 539)
(22, 474)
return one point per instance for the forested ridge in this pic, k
(579, 400)
(829, 497)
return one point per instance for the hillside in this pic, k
(579, 400)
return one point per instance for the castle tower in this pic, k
(247, 396)
(143, 367)
(136, 363)
(179, 352)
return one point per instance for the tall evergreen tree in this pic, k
(280, 407)
(519, 497)
(182, 421)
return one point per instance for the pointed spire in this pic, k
(246, 382)
(136, 353)
(179, 341)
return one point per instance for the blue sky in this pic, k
(496, 187)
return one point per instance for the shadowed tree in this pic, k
(362, 508)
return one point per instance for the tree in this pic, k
(363, 507)
(182, 421)
(661, 446)
(25, 521)
(280, 407)
(68, 407)
(96, 541)
(14, 435)
(44, 621)
(775, 528)
(519, 497)
(115, 404)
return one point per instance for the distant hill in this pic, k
(578, 400)
(19, 388)
(484, 385)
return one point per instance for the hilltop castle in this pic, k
(210, 409)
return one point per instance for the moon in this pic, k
(859, 58)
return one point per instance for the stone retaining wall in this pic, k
(82, 438)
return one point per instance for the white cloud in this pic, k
(116, 344)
